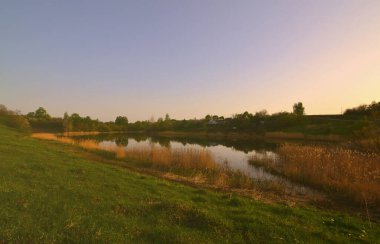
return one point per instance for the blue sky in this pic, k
(188, 58)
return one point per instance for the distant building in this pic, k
(216, 122)
(212, 122)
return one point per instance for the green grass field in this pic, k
(50, 194)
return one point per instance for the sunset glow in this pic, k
(190, 58)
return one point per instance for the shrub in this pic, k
(19, 122)
(14, 119)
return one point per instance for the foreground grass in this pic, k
(49, 194)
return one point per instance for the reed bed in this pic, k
(182, 158)
(349, 172)
(53, 137)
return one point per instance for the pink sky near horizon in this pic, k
(105, 59)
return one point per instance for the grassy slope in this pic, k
(49, 194)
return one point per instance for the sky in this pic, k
(187, 58)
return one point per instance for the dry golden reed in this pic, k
(88, 144)
(353, 173)
(160, 156)
(53, 137)
(182, 158)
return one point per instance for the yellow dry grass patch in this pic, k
(350, 172)
(161, 156)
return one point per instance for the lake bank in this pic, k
(251, 136)
(279, 135)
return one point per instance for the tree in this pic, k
(30, 115)
(261, 114)
(121, 120)
(41, 113)
(67, 122)
(364, 110)
(298, 109)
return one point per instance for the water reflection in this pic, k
(230, 153)
(245, 146)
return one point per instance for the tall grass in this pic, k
(351, 173)
(182, 158)
(53, 137)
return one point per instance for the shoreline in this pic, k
(278, 135)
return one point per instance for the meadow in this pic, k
(51, 192)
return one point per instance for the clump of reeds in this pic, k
(53, 137)
(349, 172)
(87, 144)
(168, 157)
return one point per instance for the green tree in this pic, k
(121, 120)
(67, 122)
(298, 109)
(30, 115)
(41, 113)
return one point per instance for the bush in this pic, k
(14, 119)
(19, 122)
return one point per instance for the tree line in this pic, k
(364, 110)
(41, 120)
(259, 122)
